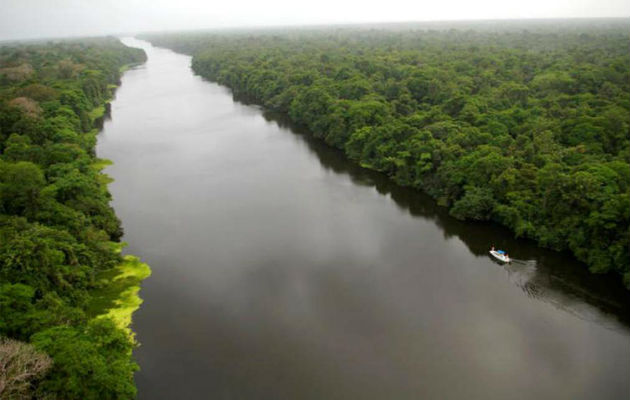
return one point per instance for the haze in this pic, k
(26, 19)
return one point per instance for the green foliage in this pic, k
(20, 187)
(526, 125)
(476, 203)
(117, 292)
(89, 363)
(56, 224)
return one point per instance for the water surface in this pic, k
(282, 271)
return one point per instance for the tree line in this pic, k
(524, 124)
(57, 228)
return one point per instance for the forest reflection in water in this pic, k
(553, 277)
(282, 270)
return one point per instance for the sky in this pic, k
(25, 19)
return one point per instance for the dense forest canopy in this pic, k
(525, 124)
(57, 229)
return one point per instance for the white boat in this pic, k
(500, 255)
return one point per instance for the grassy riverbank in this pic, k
(117, 296)
(64, 286)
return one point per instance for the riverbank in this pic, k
(276, 259)
(512, 150)
(66, 289)
(98, 113)
(117, 294)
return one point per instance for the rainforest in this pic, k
(66, 292)
(526, 125)
(317, 205)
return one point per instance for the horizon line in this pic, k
(305, 26)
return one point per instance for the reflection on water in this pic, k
(556, 278)
(283, 271)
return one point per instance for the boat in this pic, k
(500, 255)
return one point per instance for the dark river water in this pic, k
(282, 271)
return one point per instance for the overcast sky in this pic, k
(59, 18)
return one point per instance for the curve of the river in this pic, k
(282, 271)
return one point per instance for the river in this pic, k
(283, 271)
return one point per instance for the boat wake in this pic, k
(540, 286)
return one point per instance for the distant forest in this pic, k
(521, 123)
(58, 232)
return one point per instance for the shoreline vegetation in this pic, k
(117, 296)
(67, 294)
(523, 123)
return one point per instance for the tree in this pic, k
(21, 367)
(20, 186)
(510, 124)
(91, 363)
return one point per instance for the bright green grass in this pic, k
(117, 296)
(99, 164)
(96, 112)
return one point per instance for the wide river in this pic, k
(283, 271)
